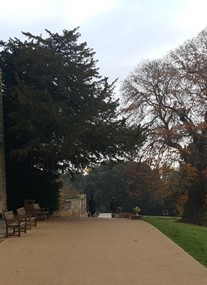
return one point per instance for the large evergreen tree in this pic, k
(59, 113)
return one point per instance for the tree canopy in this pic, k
(169, 98)
(59, 112)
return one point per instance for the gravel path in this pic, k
(102, 251)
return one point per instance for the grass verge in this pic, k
(192, 238)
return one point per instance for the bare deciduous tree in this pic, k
(169, 98)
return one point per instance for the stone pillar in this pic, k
(3, 202)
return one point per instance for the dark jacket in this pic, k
(113, 205)
(92, 205)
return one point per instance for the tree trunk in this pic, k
(3, 203)
(195, 208)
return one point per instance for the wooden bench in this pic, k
(34, 209)
(165, 213)
(124, 215)
(30, 220)
(17, 225)
(42, 213)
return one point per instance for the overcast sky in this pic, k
(121, 32)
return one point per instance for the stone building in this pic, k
(2, 157)
(72, 204)
(75, 205)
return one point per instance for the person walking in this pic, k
(113, 207)
(92, 206)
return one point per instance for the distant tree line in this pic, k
(133, 184)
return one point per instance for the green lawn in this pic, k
(193, 239)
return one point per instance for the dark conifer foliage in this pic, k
(59, 113)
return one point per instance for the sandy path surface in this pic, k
(83, 251)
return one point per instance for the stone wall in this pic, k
(72, 204)
(2, 157)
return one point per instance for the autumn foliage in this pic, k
(168, 98)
